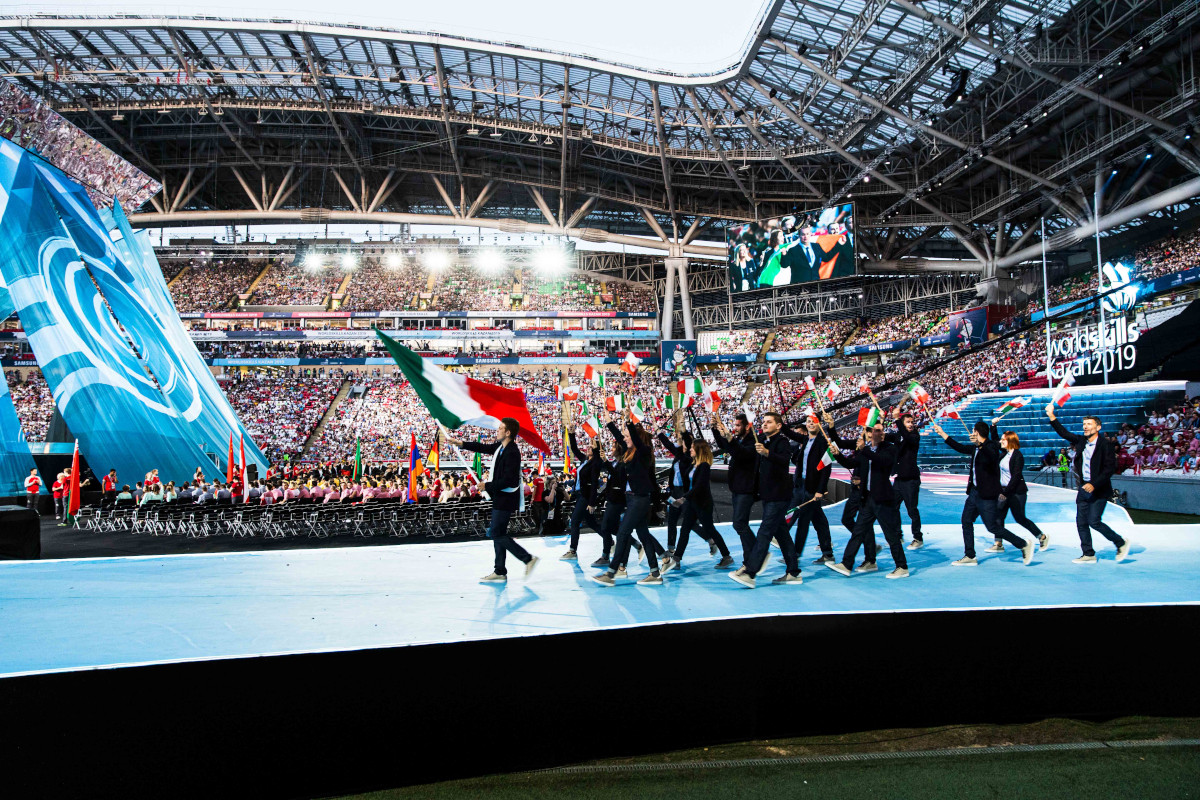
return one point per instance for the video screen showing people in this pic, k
(798, 248)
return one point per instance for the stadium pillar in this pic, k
(685, 295)
(667, 323)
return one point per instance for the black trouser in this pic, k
(773, 526)
(31, 501)
(977, 507)
(810, 513)
(701, 520)
(1016, 504)
(673, 515)
(502, 542)
(908, 490)
(1088, 512)
(609, 522)
(578, 516)
(540, 507)
(888, 515)
(743, 504)
(637, 512)
(850, 510)
(59, 506)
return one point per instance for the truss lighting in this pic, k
(547, 140)
(495, 134)
(959, 89)
(472, 131)
(489, 260)
(533, 138)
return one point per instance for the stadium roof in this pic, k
(954, 127)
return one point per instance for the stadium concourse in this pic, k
(374, 397)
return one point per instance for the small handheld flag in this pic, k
(950, 412)
(637, 411)
(711, 398)
(864, 384)
(630, 364)
(674, 402)
(832, 389)
(809, 383)
(690, 386)
(1062, 394)
(591, 426)
(567, 393)
(751, 417)
(869, 417)
(1012, 404)
(615, 403)
(918, 393)
(596, 376)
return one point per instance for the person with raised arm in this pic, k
(1094, 462)
(506, 490)
(775, 488)
(587, 482)
(1013, 489)
(811, 484)
(696, 510)
(612, 493)
(639, 485)
(983, 493)
(907, 485)
(681, 470)
(743, 473)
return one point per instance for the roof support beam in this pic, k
(775, 151)
(246, 187)
(333, 121)
(653, 223)
(287, 176)
(581, 212)
(480, 199)
(450, 204)
(446, 99)
(346, 190)
(182, 188)
(662, 151)
(706, 122)
(543, 205)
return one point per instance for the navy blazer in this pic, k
(774, 480)
(588, 474)
(985, 477)
(505, 487)
(681, 457)
(1104, 459)
(700, 492)
(743, 461)
(907, 444)
(816, 480)
(876, 470)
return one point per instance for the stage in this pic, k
(248, 630)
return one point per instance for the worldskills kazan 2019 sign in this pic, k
(1095, 349)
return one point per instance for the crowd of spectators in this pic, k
(281, 409)
(376, 286)
(891, 329)
(1169, 441)
(811, 335)
(744, 341)
(292, 284)
(213, 285)
(33, 402)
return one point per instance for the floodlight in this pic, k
(312, 262)
(489, 260)
(550, 259)
(349, 262)
(393, 261)
(435, 259)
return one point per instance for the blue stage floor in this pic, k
(93, 613)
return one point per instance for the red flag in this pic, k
(73, 498)
(229, 468)
(245, 487)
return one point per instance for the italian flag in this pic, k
(584, 409)
(869, 417)
(456, 400)
(615, 403)
(690, 386)
(918, 393)
(832, 389)
(711, 399)
(630, 364)
(826, 460)
(591, 426)
(637, 411)
(567, 392)
(864, 384)
(950, 412)
(810, 384)
(590, 373)
(672, 402)
(1012, 404)
(1062, 393)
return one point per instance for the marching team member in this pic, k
(696, 509)
(774, 484)
(875, 458)
(853, 503)
(743, 473)
(811, 484)
(1013, 489)
(907, 485)
(681, 470)
(639, 484)
(983, 492)
(613, 495)
(587, 482)
(1094, 463)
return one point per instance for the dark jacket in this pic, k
(984, 477)
(506, 476)
(700, 491)
(743, 462)
(681, 458)
(1104, 459)
(876, 468)
(907, 444)
(613, 490)
(774, 480)
(859, 469)
(816, 480)
(588, 474)
(639, 470)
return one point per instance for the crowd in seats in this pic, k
(744, 341)
(892, 329)
(281, 410)
(378, 287)
(213, 286)
(288, 284)
(1164, 257)
(33, 401)
(292, 349)
(1169, 440)
(812, 335)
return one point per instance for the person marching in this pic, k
(743, 474)
(506, 490)
(774, 483)
(639, 485)
(811, 484)
(697, 510)
(681, 470)
(1013, 489)
(874, 459)
(983, 492)
(587, 482)
(907, 485)
(613, 495)
(1094, 463)
(850, 509)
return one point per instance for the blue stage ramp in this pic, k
(93, 613)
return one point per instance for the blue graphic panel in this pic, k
(102, 388)
(15, 460)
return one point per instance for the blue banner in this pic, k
(15, 460)
(801, 355)
(678, 356)
(878, 347)
(727, 358)
(101, 387)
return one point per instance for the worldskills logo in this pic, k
(1123, 293)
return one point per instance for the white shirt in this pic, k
(1005, 472)
(1087, 459)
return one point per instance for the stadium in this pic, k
(305, 323)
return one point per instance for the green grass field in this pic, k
(1141, 517)
(1125, 772)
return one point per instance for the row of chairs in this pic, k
(375, 518)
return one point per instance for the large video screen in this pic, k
(798, 248)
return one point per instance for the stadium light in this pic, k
(312, 262)
(393, 261)
(435, 260)
(550, 259)
(489, 260)
(349, 262)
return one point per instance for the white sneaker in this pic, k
(1027, 553)
(965, 561)
(651, 580)
(788, 580)
(996, 548)
(898, 572)
(838, 567)
(1084, 560)
(570, 555)
(916, 544)
(743, 579)
(1044, 541)
(533, 562)
(1123, 551)
(494, 578)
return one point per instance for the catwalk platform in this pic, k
(407, 628)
